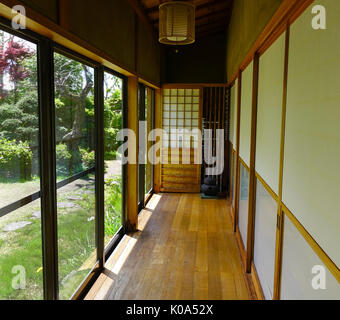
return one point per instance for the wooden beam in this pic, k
(63, 14)
(132, 166)
(203, 34)
(152, 6)
(212, 18)
(136, 6)
(200, 10)
(211, 26)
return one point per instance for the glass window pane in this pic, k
(20, 228)
(75, 124)
(181, 92)
(113, 122)
(243, 203)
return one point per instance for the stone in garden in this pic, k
(16, 226)
(36, 215)
(67, 205)
(86, 192)
(74, 198)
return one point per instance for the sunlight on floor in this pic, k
(152, 204)
(121, 260)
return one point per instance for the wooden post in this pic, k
(280, 219)
(132, 166)
(252, 178)
(63, 14)
(158, 125)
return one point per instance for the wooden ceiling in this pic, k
(212, 16)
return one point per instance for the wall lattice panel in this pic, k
(181, 144)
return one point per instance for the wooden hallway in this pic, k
(184, 249)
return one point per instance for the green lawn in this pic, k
(76, 240)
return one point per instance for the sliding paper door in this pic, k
(181, 145)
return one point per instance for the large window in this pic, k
(21, 274)
(113, 122)
(61, 177)
(75, 166)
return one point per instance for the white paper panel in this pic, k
(234, 180)
(311, 185)
(269, 113)
(243, 204)
(246, 106)
(298, 261)
(233, 114)
(265, 238)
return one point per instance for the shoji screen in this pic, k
(233, 128)
(245, 133)
(269, 114)
(298, 262)
(312, 149)
(246, 106)
(181, 171)
(233, 114)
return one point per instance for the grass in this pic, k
(113, 207)
(76, 242)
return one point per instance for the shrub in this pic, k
(113, 205)
(20, 121)
(15, 159)
(88, 158)
(63, 156)
(111, 143)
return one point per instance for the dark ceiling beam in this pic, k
(210, 32)
(202, 10)
(217, 24)
(148, 4)
(210, 18)
(156, 3)
(139, 10)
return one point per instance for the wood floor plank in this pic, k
(185, 250)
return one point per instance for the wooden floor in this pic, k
(185, 249)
